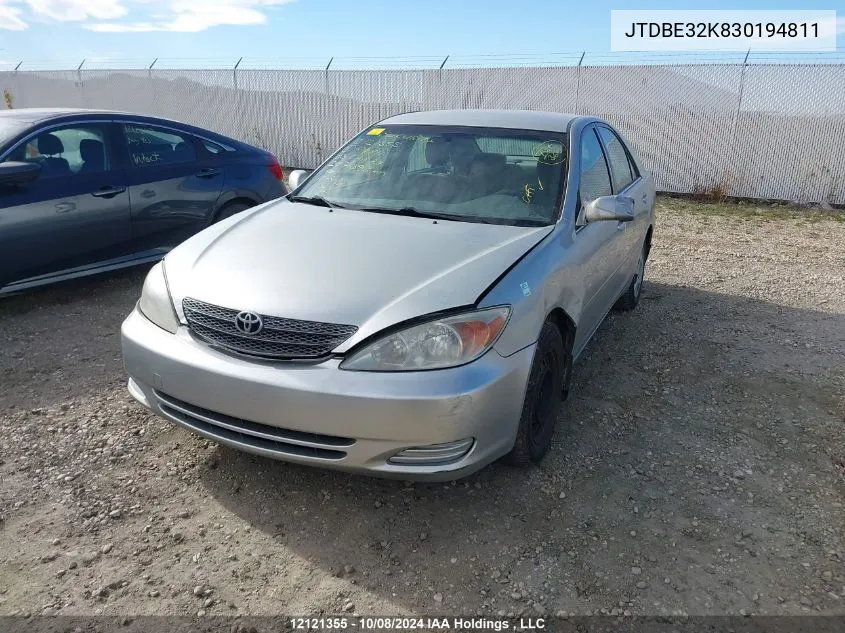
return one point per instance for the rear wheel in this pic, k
(231, 209)
(631, 298)
(547, 384)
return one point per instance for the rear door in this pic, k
(174, 183)
(75, 214)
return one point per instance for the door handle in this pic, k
(207, 172)
(148, 193)
(64, 207)
(107, 192)
(620, 226)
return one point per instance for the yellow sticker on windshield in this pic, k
(376, 131)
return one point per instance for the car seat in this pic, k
(93, 154)
(50, 146)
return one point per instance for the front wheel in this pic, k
(546, 387)
(631, 298)
(231, 209)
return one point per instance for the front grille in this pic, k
(252, 434)
(285, 339)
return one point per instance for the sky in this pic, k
(110, 32)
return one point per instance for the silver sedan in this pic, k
(413, 308)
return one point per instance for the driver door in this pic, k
(597, 243)
(76, 213)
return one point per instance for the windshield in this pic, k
(468, 174)
(10, 128)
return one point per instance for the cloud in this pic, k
(77, 10)
(187, 16)
(145, 15)
(10, 17)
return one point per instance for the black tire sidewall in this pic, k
(230, 209)
(631, 299)
(531, 443)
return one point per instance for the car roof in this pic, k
(32, 116)
(37, 115)
(513, 119)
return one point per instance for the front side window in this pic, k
(595, 178)
(488, 175)
(66, 151)
(152, 147)
(620, 166)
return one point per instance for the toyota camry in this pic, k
(413, 307)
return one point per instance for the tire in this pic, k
(547, 387)
(632, 295)
(231, 209)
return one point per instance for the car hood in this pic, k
(343, 266)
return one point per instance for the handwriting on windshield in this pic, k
(548, 153)
(528, 191)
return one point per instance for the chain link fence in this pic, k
(756, 130)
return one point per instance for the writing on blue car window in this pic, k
(154, 146)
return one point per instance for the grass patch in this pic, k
(745, 210)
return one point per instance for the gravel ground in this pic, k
(698, 467)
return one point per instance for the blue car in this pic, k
(87, 191)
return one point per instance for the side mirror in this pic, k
(297, 177)
(16, 174)
(618, 208)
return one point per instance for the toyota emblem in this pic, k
(249, 323)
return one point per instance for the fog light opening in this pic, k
(433, 453)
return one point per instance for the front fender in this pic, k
(545, 279)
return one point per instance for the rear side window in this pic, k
(595, 178)
(620, 166)
(151, 146)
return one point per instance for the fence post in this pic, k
(235, 73)
(742, 82)
(15, 87)
(327, 74)
(725, 184)
(440, 81)
(578, 83)
(80, 83)
(152, 86)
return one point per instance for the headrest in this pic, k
(437, 152)
(49, 144)
(91, 150)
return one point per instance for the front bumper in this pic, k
(320, 415)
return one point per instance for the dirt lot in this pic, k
(698, 467)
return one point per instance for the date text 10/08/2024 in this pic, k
(429, 623)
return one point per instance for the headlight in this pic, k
(155, 303)
(437, 344)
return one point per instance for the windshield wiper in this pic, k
(318, 201)
(416, 213)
